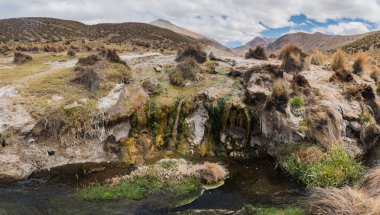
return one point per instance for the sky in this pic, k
(231, 22)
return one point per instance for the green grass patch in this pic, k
(336, 168)
(279, 211)
(297, 102)
(138, 188)
(250, 209)
(186, 187)
(135, 189)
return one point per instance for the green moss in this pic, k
(152, 123)
(297, 102)
(279, 211)
(186, 187)
(336, 168)
(250, 209)
(364, 117)
(135, 189)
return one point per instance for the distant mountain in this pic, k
(252, 44)
(310, 42)
(211, 44)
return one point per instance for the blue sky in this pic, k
(231, 22)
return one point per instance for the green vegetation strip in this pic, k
(273, 211)
(335, 168)
(138, 188)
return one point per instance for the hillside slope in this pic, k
(314, 41)
(211, 44)
(56, 30)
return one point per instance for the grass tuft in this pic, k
(257, 53)
(335, 168)
(297, 102)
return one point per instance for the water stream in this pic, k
(54, 192)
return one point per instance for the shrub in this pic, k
(342, 74)
(71, 53)
(273, 56)
(339, 61)
(20, 58)
(88, 61)
(257, 53)
(293, 58)
(297, 102)
(88, 78)
(333, 201)
(112, 56)
(352, 92)
(375, 74)
(279, 98)
(317, 58)
(192, 51)
(359, 63)
(336, 168)
(187, 70)
(210, 67)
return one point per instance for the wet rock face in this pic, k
(196, 123)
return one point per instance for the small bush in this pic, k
(192, 51)
(336, 168)
(20, 58)
(279, 99)
(187, 70)
(371, 182)
(352, 92)
(317, 58)
(210, 67)
(88, 61)
(342, 74)
(293, 58)
(359, 63)
(70, 53)
(257, 53)
(272, 56)
(297, 102)
(112, 56)
(88, 78)
(339, 60)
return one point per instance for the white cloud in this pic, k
(344, 28)
(242, 24)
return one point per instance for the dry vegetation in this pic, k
(360, 63)
(339, 61)
(257, 53)
(317, 58)
(187, 70)
(20, 58)
(293, 58)
(192, 51)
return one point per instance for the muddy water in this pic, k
(54, 192)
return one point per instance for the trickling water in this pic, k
(54, 192)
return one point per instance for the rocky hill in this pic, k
(262, 41)
(210, 43)
(314, 41)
